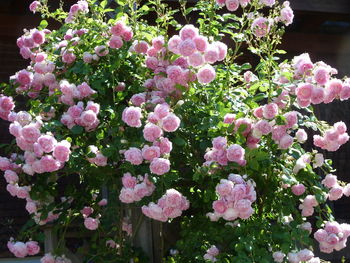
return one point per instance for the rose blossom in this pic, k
(160, 166)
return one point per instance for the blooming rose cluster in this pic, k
(194, 50)
(222, 153)
(161, 119)
(211, 254)
(85, 117)
(236, 197)
(168, 206)
(120, 31)
(333, 237)
(99, 159)
(135, 188)
(30, 42)
(71, 92)
(49, 258)
(304, 255)
(21, 250)
(80, 7)
(307, 206)
(332, 138)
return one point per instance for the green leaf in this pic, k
(43, 24)
(77, 129)
(179, 141)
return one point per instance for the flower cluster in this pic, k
(333, 237)
(222, 153)
(168, 206)
(308, 205)
(49, 258)
(77, 115)
(211, 254)
(236, 197)
(80, 7)
(304, 255)
(333, 138)
(134, 189)
(21, 250)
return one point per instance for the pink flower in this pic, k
(187, 47)
(24, 77)
(62, 151)
(33, 248)
(188, 32)
(170, 123)
(235, 153)
(158, 43)
(115, 42)
(285, 142)
(232, 5)
(85, 90)
(31, 207)
(330, 180)
(11, 177)
(34, 6)
(305, 255)
(211, 54)
(91, 223)
(164, 144)
(134, 156)
(68, 57)
(152, 132)
(19, 249)
(47, 143)
(150, 152)
(298, 189)
(229, 118)
(335, 193)
(173, 44)
(162, 110)
(159, 166)
(152, 62)
(38, 37)
(206, 74)
(48, 258)
(30, 133)
(129, 181)
(301, 135)
(49, 164)
(260, 26)
(278, 256)
(286, 15)
(118, 28)
(264, 127)
(201, 43)
(127, 34)
(270, 111)
(87, 57)
(132, 116)
(196, 59)
(141, 47)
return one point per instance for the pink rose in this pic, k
(206, 74)
(91, 223)
(235, 153)
(134, 156)
(33, 248)
(159, 166)
(298, 189)
(260, 26)
(62, 151)
(152, 132)
(170, 123)
(164, 144)
(150, 152)
(132, 116)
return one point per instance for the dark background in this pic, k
(321, 28)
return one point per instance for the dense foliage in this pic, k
(119, 114)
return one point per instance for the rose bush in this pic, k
(173, 125)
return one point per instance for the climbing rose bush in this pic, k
(119, 116)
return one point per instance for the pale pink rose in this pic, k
(335, 193)
(132, 116)
(270, 111)
(263, 126)
(152, 62)
(33, 248)
(232, 5)
(19, 249)
(129, 181)
(134, 156)
(229, 118)
(24, 77)
(330, 180)
(303, 64)
(196, 60)
(101, 51)
(219, 142)
(152, 132)
(49, 164)
(187, 47)
(320, 235)
(188, 32)
(31, 207)
(128, 34)
(150, 152)
(206, 74)
(47, 143)
(115, 42)
(305, 255)
(141, 47)
(91, 223)
(118, 28)
(220, 2)
(164, 144)
(222, 47)
(85, 90)
(158, 42)
(285, 142)
(162, 110)
(160, 166)
(278, 256)
(173, 44)
(346, 190)
(30, 133)
(310, 201)
(260, 26)
(68, 57)
(301, 135)
(87, 57)
(175, 73)
(38, 37)
(235, 153)
(286, 15)
(34, 6)
(11, 177)
(48, 258)
(211, 54)
(345, 92)
(62, 151)
(298, 189)
(86, 211)
(170, 123)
